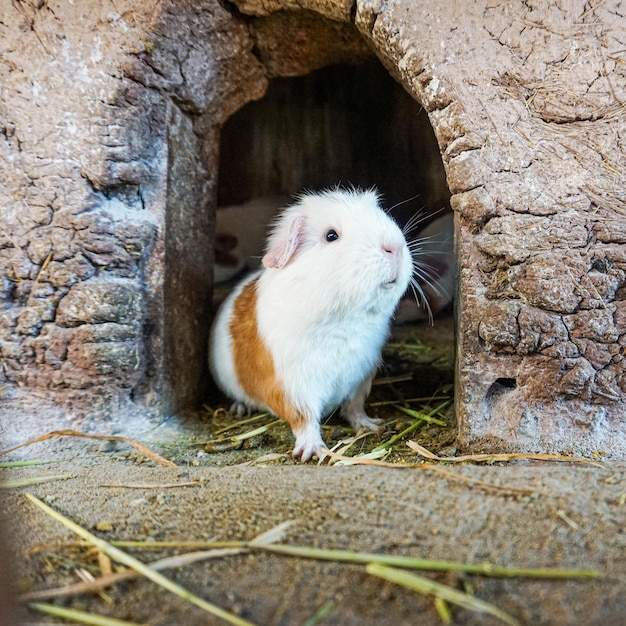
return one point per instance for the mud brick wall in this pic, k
(110, 116)
(107, 167)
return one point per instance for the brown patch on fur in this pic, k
(253, 361)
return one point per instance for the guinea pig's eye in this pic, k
(331, 235)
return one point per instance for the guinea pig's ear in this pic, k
(283, 249)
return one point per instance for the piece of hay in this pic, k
(126, 559)
(150, 454)
(432, 588)
(434, 468)
(496, 457)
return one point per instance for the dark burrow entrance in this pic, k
(344, 125)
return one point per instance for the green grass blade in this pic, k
(126, 559)
(35, 480)
(82, 617)
(484, 569)
(432, 588)
(420, 418)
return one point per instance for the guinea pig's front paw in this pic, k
(308, 443)
(360, 421)
(240, 409)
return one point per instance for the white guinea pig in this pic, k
(304, 334)
(240, 234)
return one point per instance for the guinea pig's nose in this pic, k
(392, 250)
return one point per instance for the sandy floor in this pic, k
(576, 519)
(566, 516)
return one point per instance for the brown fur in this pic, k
(253, 361)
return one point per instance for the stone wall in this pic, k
(108, 124)
(109, 142)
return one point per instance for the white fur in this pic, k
(324, 314)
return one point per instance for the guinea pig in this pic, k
(304, 334)
(433, 252)
(240, 231)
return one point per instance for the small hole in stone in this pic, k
(500, 386)
(496, 392)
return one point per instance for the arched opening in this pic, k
(346, 124)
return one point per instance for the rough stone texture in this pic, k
(313, 43)
(526, 100)
(109, 136)
(108, 122)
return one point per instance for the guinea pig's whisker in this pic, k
(420, 298)
(414, 222)
(430, 239)
(424, 275)
(418, 256)
(397, 204)
(417, 219)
